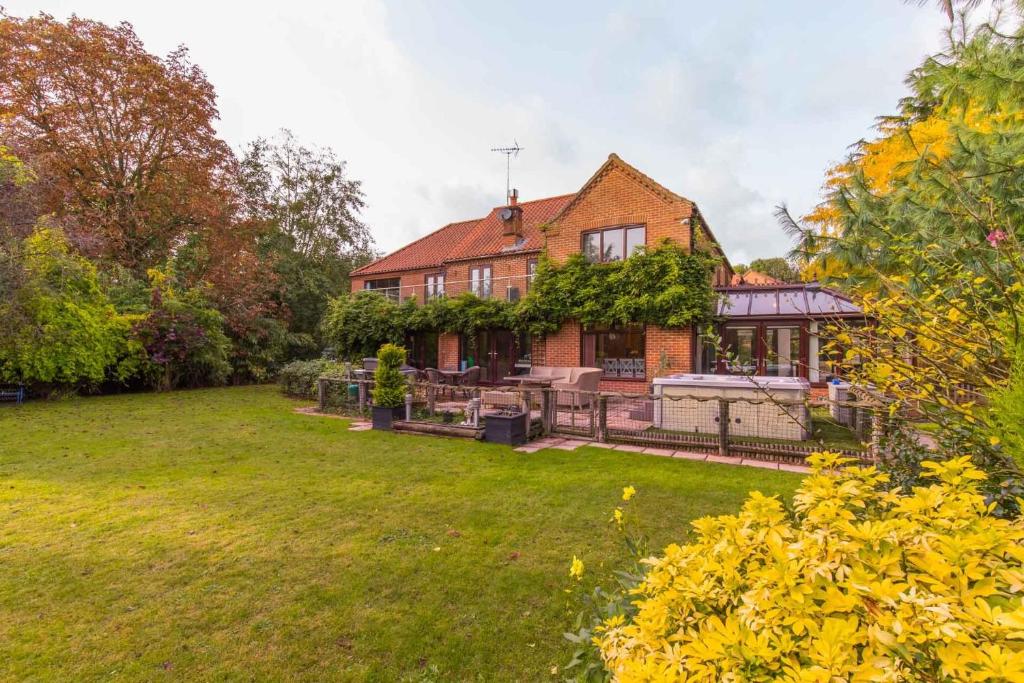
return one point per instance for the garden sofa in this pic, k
(574, 380)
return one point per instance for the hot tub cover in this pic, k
(735, 382)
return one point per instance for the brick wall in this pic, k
(509, 270)
(412, 281)
(448, 351)
(618, 196)
(615, 198)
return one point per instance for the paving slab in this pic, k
(527, 449)
(786, 467)
(570, 445)
(666, 452)
(630, 448)
(598, 444)
(690, 455)
(764, 464)
(726, 460)
(312, 410)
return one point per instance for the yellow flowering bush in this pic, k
(859, 582)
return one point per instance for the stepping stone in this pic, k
(786, 467)
(765, 464)
(527, 449)
(689, 455)
(571, 445)
(598, 444)
(725, 461)
(629, 448)
(360, 428)
(667, 452)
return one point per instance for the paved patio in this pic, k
(570, 444)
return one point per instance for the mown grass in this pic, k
(216, 534)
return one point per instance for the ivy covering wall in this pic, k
(663, 286)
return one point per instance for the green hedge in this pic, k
(299, 377)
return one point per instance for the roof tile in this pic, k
(477, 238)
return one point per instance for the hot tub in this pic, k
(774, 407)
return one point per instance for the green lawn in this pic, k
(216, 534)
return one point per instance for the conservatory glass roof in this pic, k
(809, 300)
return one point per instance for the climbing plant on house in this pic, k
(664, 286)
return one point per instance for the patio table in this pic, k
(452, 375)
(533, 380)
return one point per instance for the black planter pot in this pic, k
(506, 429)
(383, 417)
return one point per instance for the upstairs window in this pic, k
(434, 285)
(613, 244)
(480, 281)
(389, 287)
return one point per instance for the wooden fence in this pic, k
(767, 428)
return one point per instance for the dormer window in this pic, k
(613, 244)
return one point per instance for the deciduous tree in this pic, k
(125, 138)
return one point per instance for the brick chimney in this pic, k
(511, 220)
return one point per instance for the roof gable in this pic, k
(615, 162)
(482, 237)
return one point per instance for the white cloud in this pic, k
(737, 105)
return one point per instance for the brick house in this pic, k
(617, 209)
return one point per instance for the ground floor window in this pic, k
(422, 350)
(826, 355)
(782, 351)
(619, 350)
(707, 355)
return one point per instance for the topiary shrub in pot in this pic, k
(389, 386)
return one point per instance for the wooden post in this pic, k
(528, 406)
(321, 394)
(431, 399)
(545, 411)
(592, 406)
(723, 427)
(602, 418)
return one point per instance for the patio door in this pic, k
(772, 349)
(495, 351)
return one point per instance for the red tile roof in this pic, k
(476, 238)
(756, 278)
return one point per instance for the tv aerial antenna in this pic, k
(509, 152)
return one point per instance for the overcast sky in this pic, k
(736, 105)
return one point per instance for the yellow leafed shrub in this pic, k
(858, 582)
